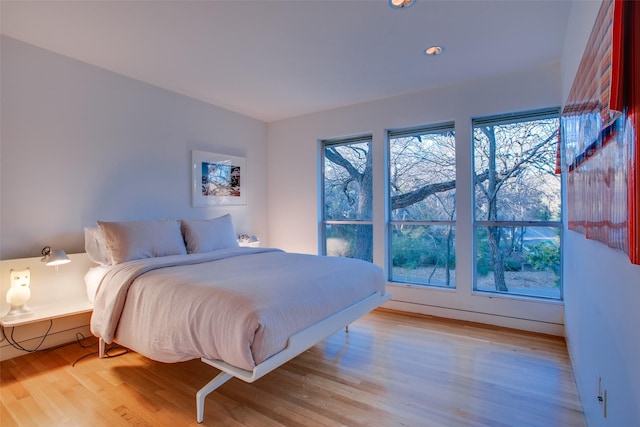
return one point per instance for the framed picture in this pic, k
(218, 179)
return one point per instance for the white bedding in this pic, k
(239, 305)
(92, 280)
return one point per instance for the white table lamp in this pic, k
(19, 292)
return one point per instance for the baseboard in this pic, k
(486, 318)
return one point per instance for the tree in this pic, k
(356, 185)
(513, 165)
(517, 157)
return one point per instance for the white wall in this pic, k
(602, 291)
(293, 180)
(80, 143)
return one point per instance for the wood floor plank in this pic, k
(390, 369)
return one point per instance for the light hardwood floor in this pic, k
(390, 369)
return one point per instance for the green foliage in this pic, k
(483, 267)
(483, 259)
(421, 246)
(512, 264)
(544, 257)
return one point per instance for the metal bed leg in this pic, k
(220, 379)
(101, 348)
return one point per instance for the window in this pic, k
(347, 198)
(517, 220)
(422, 206)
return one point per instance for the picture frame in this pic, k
(218, 179)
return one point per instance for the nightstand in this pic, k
(252, 242)
(47, 313)
(58, 300)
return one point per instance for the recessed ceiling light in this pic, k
(434, 50)
(401, 4)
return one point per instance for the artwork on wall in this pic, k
(218, 179)
(599, 138)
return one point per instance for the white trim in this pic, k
(550, 328)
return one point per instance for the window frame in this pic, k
(497, 120)
(324, 222)
(390, 223)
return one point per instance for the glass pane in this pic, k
(348, 181)
(350, 240)
(422, 177)
(423, 255)
(515, 171)
(518, 261)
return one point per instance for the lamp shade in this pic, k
(57, 257)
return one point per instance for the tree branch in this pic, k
(337, 158)
(404, 200)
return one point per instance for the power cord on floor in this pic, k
(80, 338)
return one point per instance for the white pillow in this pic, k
(208, 235)
(131, 240)
(95, 246)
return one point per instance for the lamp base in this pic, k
(17, 311)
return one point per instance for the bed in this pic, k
(180, 290)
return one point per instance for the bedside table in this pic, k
(248, 241)
(60, 306)
(49, 312)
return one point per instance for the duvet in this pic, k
(238, 305)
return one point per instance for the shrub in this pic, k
(544, 257)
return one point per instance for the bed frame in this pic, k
(298, 343)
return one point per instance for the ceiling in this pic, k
(272, 60)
